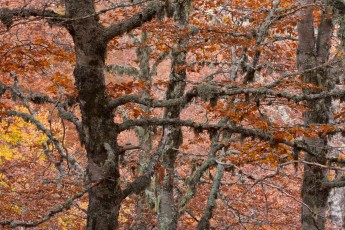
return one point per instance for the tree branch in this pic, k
(147, 102)
(135, 21)
(30, 118)
(207, 91)
(334, 184)
(204, 222)
(200, 126)
(195, 178)
(7, 15)
(143, 181)
(57, 209)
(40, 98)
(256, 133)
(121, 70)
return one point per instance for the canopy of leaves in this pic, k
(242, 109)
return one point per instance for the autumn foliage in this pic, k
(206, 102)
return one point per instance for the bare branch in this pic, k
(40, 98)
(195, 178)
(121, 70)
(256, 133)
(218, 92)
(147, 102)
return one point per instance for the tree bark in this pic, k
(337, 194)
(97, 120)
(145, 134)
(99, 130)
(167, 215)
(204, 222)
(337, 207)
(313, 52)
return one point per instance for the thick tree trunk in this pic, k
(99, 136)
(313, 52)
(99, 132)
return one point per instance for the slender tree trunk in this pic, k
(337, 208)
(172, 139)
(145, 134)
(313, 51)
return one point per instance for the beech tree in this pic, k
(219, 134)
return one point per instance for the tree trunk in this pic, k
(99, 134)
(337, 208)
(172, 139)
(145, 134)
(337, 195)
(313, 52)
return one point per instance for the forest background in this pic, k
(172, 114)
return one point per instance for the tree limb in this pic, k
(147, 102)
(334, 184)
(134, 22)
(204, 222)
(143, 181)
(30, 118)
(7, 15)
(57, 209)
